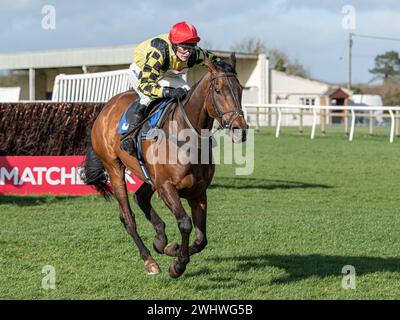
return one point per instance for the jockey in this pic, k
(161, 63)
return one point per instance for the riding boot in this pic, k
(127, 143)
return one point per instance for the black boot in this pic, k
(127, 143)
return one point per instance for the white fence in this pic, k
(315, 109)
(90, 87)
(102, 86)
(10, 94)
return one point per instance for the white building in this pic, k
(37, 70)
(294, 90)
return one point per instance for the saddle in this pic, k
(155, 115)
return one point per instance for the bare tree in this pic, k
(279, 60)
(250, 45)
(297, 69)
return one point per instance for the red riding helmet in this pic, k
(183, 32)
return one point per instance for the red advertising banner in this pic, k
(48, 175)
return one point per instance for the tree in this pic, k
(279, 60)
(297, 69)
(389, 91)
(250, 45)
(356, 89)
(387, 65)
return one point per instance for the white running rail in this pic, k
(352, 110)
(90, 87)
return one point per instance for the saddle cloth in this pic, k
(159, 106)
(158, 115)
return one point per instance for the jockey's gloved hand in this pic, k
(178, 93)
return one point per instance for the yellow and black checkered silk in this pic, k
(155, 56)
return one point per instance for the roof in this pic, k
(337, 90)
(116, 55)
(283, 83)
(300, 78)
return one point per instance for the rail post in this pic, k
(371, 123)
(301, 120)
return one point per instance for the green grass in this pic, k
(285, 232)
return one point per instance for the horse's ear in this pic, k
(210, 65)
(233, 60)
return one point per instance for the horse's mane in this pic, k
(224, 66)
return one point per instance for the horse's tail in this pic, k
(94, 174)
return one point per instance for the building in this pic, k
(294, 90)
(36, 71)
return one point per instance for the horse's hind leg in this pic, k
(170, 196)
(116, 172)
(142, 198)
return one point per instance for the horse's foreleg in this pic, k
(170, 196)
(117, 179)
(199, 215)
(142, 198)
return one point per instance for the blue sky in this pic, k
(308, 30)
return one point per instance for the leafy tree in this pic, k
(278, 59)
(356, 89)
(387, 65)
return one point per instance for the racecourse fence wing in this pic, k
(51, 129)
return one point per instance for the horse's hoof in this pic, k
(150, 267)
(176, 269)
(172, 249)
(159, 245)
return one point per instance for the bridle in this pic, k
(238, 112)
(227, 124)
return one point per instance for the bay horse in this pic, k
(216, 96)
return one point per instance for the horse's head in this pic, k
(226, 98)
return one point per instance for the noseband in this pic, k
(227, 124)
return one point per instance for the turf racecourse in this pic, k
(285, 232)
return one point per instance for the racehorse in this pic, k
(216, 96)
